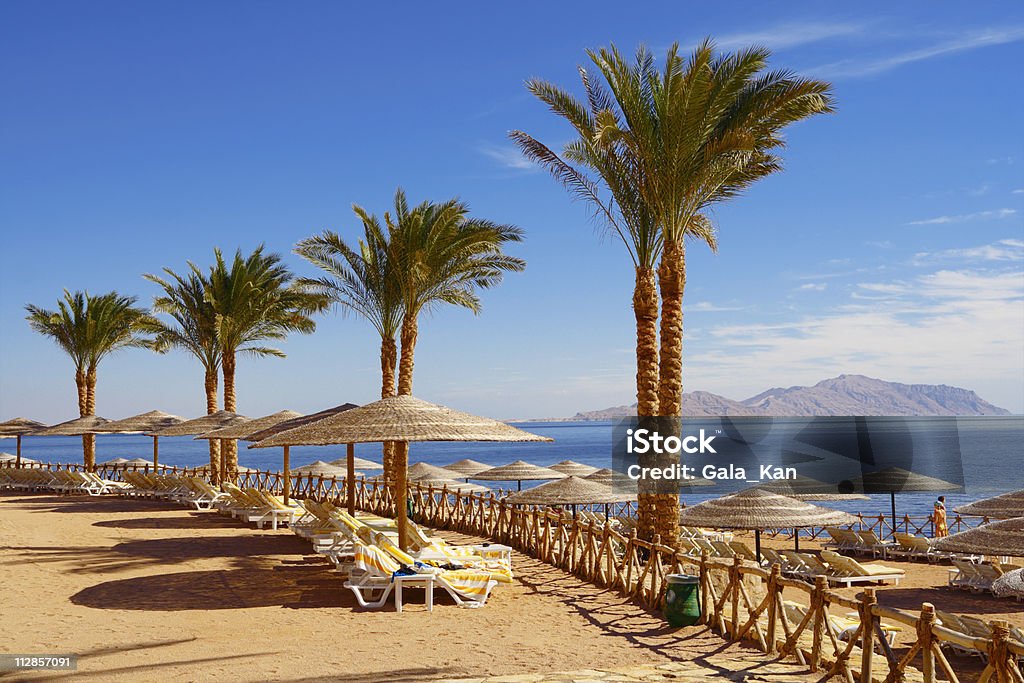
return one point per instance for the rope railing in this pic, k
(741, 601)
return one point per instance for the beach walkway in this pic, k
(143, 591)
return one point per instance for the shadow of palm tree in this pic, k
(194, 521)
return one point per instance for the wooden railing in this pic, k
(741, 601)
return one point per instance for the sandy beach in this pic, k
(143, 591)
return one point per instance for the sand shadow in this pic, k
(910, 599)
(193, 521)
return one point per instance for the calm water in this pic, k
(992, 449)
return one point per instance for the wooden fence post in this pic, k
(734, 581)
(773, 586)
(867, 625)
(924, 638)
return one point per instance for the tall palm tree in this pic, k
(359, 280)
(255, 299)
(440, 255)
(696, 133)
(193, 328)
(89, 328)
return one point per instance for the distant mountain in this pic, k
(842, 395)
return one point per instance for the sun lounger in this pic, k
(871, 543)
(743, 550)
(847, 571)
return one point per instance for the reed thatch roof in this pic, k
(806, 488)
(300, 421)
(206, 468)
(243, 430)
(610, 477)
(997, 538)
(520, 470)
(201, 425)
(454, 486)
(759, 509)
(1003, 506)
(358, 463)
(76, 427)
(467, 467)
(10, 457)
(572, 490)
(143, 422)
(898, 479)
(19, 426)
(320, 468)
(422, 471)
(573, 468)
(398, 418)
(1009, 584)
(113, 461)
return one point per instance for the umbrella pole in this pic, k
(574, 512)
(892, 497)
(350, 480)
(223, 461)
(156, 452)
(519, 485)
(796, 540)
(606, 512)
(287, 485)
(757, 544)
(401, 495)
(17, 461)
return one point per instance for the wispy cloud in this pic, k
(1020, 191)
(506, 155)
(1002, 250)
(708, 307)
(972, 40)
(790, 35)
(965, 217)
(813, 287)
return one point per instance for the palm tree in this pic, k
(192, 329)
(89, 328)
(360, 281)
(695, 134)
(440, 255)
(255, 299)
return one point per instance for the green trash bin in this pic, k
(682, 600)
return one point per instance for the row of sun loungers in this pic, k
(975, 627)
(976, 577)
(902, 545)
(837, 569)
(57, 481)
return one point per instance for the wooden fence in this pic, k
(741, 601)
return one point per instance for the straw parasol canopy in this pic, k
(467, 467)
(206, 468)
(152, 421)
(422, 471)
(1009, 584)
(19, 426)
(610, 477)
(893, 479)
(11, 457)
(358, 463)
(1001, 538)
(299, 421)
(806, 488)
(572, 490)
(1003, 506)
(139, 462)
(757, 509)
(77, 427)
(321, 469)
(113, 462)
(573, 468)
(200, 425)
(244, 430)
(399, 419)
(518, 471)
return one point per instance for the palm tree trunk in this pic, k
(388, 361)
(645, 310)
(401, 458)
(230, 449)
(83, 393)
(210, 386)
(405, 365)
(671, 281)
(88, 440)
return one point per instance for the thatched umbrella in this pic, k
(1009, 584)
(319, 468)
(1003, 506)
(573, 468)
(518, 471)
(806, 488)
(467, 468)
(893, 479)
(300, 421)
(114, 462)
(17, 428)
(572, 491)
(243, 430)
(80, 426)
(398, 419)
(756, 509)
(201, 425)
(422, 471)
(358, 463)
(1003, 538)
(144, 423)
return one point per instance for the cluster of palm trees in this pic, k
(653, 150)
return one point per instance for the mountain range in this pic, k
(842, 395)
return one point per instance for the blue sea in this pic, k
(992, 451)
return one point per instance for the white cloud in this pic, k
(1020, 191)
(789, 35)
(965, 217)
(972, 40)
(958, 327)
(708, 307)
(507, 155)
(1002, 250)
(813, 286)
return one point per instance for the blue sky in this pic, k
(140, 135)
